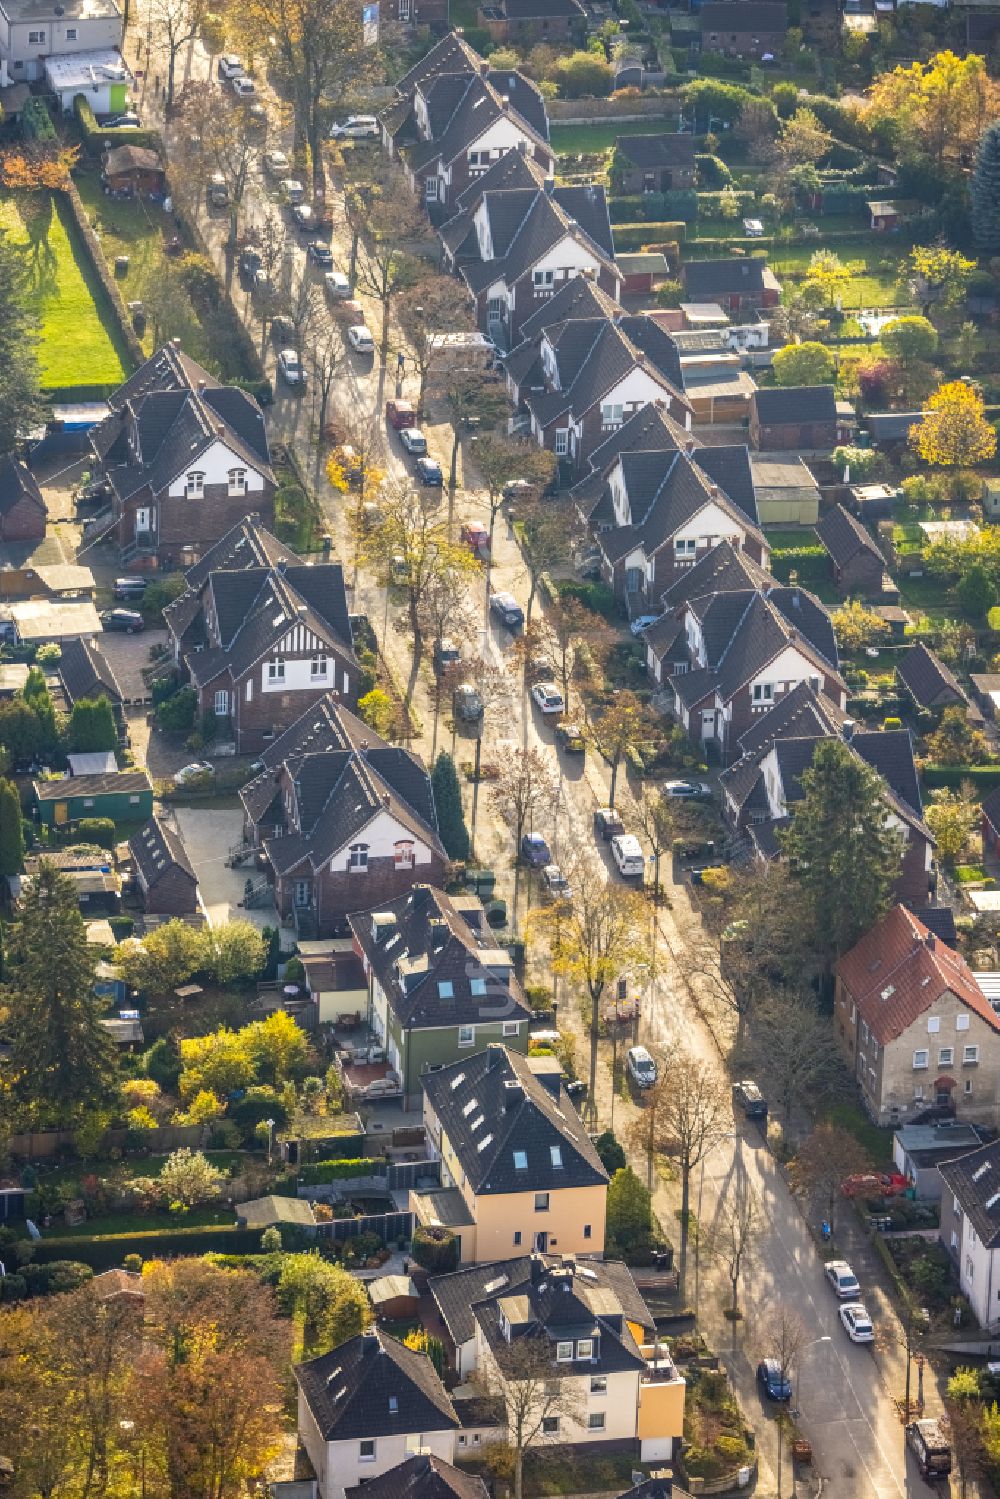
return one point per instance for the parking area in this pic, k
(127, 655)
(209, 833)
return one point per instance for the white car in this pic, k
(360, 339)
(229, 67)
(290, 366)
(275, 163)
(555, 885)
(192, 772)
(641, 1067)
(642, 623)
(244, 88)
(337, 286)
(356, 128)
(413, 441)
(292, 190)
(547, 697)
(857, 1323)
(843, 1279)
(690, 791)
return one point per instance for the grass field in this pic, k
(125, 228)
(78, 344)
(582, 140)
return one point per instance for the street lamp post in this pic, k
(697, 1240)
(270, 1138)
(826, 1338)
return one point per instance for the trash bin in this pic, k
(121, 265)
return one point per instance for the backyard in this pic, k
(600, 135)
(78, 342)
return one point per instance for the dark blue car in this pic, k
(776, 1386)
(535, 851)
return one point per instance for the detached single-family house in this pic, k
(970, 1227)
(345, 821)
(164, 877)
(186, 458)
(23, 513)
(531, 21)
(799, 417)
(858, 565)
(422, 1476)
(652, 163)
(734, 285)
(440, 986)
(366, 1407)
(743, 28)
(518, 1169)
(914, 1026)
(930, 684)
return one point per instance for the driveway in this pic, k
(209, 833)
(128, 654)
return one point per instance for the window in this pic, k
(366, 1450)
(564, 1353)
(595, 1421)
(933, 1024)
(969, 1267)
(404, 855)
(461, 1439)
(541, 1202)
(612, 413)
(685, 546)
(72, 34)
(36, 38)
(357, 861)
(970, 1056)
(918, 1093)
(404, 10)
(961, 1022)
(134, 801)
(517, 1236)
(276, 671)
(318, 666)
(968, 1087)
(446, 989)
(510, 1027)
(946, 1056)
(555, 1152)
(520, 1160)
(237, 481)
(763, 692)
(550, 1425)
(920, 1059)
(467, 1035)
(542, 279)
(598, 1385)
(587, 1230)
(562, 442)
(88, 801)
(194, 485)
(585, 1348)
(221, 703)
(431, 189)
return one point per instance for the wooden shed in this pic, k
(135, 167)
(395, 1298)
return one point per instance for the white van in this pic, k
(626, 850)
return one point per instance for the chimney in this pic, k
(522, 147)
(713, 490)
(302, 610)
(220, 430)
(930, 941)
(201, 386)
(640, 357)
(505, 102)
(484, 68)
(537, 1267)
(513, 1094)
(364, 746)
(176, 343)
(282, 565)
(847, 730)
(549, 185)
(369, 1342)
(494, 1056)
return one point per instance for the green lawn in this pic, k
(782, 538)
(79, 343)
(852, 1118)
(132, 228)
(600, 135)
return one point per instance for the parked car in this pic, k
(360, 339)
(282, 331)
(249, 263)
(641, 1067)
(429, 472)
(541, 668)
(856, 1322)
(843, 1279)
(446, 653)
(476, 536)
(292, 190)
(642, 622)
(275, 162)
(128, 121)
(607, 822)
(192, 772)
(507, 610)
(129, 588)
(692, 791)
(547, 697)
(929, 1445)
(626, 850)
(320, 254)
(243, 87)
(229, 67)
(569, 737)
(290, 367)
(535, 851)
(467, 703)
(748, 1097)
(874, 1184)
(400, 414)
(516, 489)
(123, 621)
(413, 440)
(356, 128)
(336, 285)
(305, 217)
(218, 191)
(773, 1381)
(555, 885)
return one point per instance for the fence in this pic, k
(390, 1227)
(45, 1144)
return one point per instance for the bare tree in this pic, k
(392, 226)
(326, 356)
(549, 531)
(473, 398)
(535, 1393)
(649, 1131)
(228, 140)
(176, 23)
(523, 787)
(499, 460)
(566, 625)
(625, 724)
(824, 1160)
(698, 1114)
(363, 471)
(655, 814)
(784, 1342)
(434, 305)
(794, 1047)
(733, 1238)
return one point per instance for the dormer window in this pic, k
(237, 481)
(357, 861)
(542, 280)
(564, 1353)
(194, 485)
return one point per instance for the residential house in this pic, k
(582, 1323)
(164, 877)
(514, 247)
(454, 116)
(335, 981)
(22, 509)
(760, 789)
(263, 643)
(786, 492)
(649, 429)
(32, 31)
(345, 821)
(518, 1170)
(366, 1407)
(439, 984)
(735, 285)
(652, 163)
(744, 28)
(970, 1227)
(101, 75)
(799, 417)
(914, 1025)
(722, 570)
(986, 692)
(247, 544)
(125, 796)
(919, 1149)
(186, 458)
(85, 673)
(890, 430)
(422, 1476)
(930, 685)
(858, 565)
(528, 22)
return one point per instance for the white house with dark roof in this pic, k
(970, 1227)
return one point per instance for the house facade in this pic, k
(528, 22)
(653, 163)
(799, 418)
(858, 565)
(970, 1228)
(914, 1026)
(23, 514)
(29, 33)
(746, 28)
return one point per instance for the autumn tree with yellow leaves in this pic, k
(954, 429)
(937, 109)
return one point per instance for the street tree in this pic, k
(533, 1393)
(362, 471)
(499, 460)
(785, 1341)
(697, 1115)
(175, 24)
(473, 398)
(549, 532)
(565, 626)
(430, 309)
(11, 831)
(598, 939)
(733, 1238)
(845, 853)
(523, 787)
(325, 357)
(20, 402)
(985, 191)
(954, 429)
(654, 812)
(35, 1435)
(61, 1064)
(807, 363)
(227, 141)
(953, 817)
(649, 1132)
(625, 724)
(824, 1160)
(385, 271)
(794, 1047)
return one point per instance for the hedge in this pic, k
(95, 138)
(318, 1172)
(710, 204)
(983, 777)
(108, 1251)
(65, 394)
(846, 199)
(636, 236)
(637, 208)
(36, 122)
(811, 563)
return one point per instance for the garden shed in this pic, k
(124, 796)
(394, 1297)
(135, 167)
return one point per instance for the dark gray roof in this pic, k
(743, 16)
(525, 1116)
(422, 1476)
(248, 544)
(657, 150)
(721, 570)
(542, 10)
(777, 404)
(937, 919)
(707, 279)
(797, 714)
(844, 536)
(665, 491)
(891, 424)
(557, 1304)
(17, 483)
(929, 682)
(461, 107)
(890, 752)
(991, 808)
(373, 1386)
(977, 1189)
(157, 849)
(591, 356)
(526, 223)
(85, 672)
(117, 783)
(433, 967)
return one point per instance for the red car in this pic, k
(400, 414)
(874, 1184)
(476, 536)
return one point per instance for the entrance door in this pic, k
(303, 893)
(143, 520)
(708, 724)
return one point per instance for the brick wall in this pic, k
(175, 893)
(338, 894)
(25, 521)
(778, 438)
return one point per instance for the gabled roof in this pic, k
(85, 672)
(779, 405)
(845, 537)
(492, 1107)
(156, 849)
(800, 714)
(592, 356)
(762, 634)
(462, 107)
(18, 483)
(578, 297)
(374, 1386)
(248, 544)
(526, 223)
(743, 15)
(654, 151)
(929, 682)
(433, 967)
(556, 1305)
(665, 492)
(452, 55)
(899, 970)
(422, 1476)
(704, 280)
(974, 1178)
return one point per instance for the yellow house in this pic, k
(519, 1173)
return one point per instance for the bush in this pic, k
(611, 1153)
(13, 1288)
(582, 75)
(36, 122)
(108, 1251)
(435, 1249)
(57, 1275)
(596, 596)
(713, 174)
(317, 1173)
(812, 563)
(99, 830)
(655, 234)
(177, 714)
(983, 777)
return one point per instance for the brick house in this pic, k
(914, 1026)
(22, 509)
(527, 22)
(85, 672)
(734, 285)
(345, 822)
(743, 28)
(186, 459)
(858, 565)
(929, 684)
(652, 163)
(261, 644)
(167, 884)
(802, 417)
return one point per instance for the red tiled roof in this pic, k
(899, 970)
